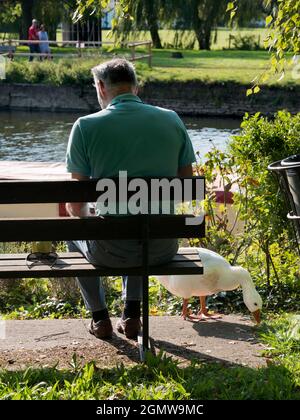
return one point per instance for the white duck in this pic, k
(218, 276)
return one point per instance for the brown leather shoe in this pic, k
(130, 327)
(101, 329)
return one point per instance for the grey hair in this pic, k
(115, 72)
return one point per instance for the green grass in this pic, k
(163, 378)
(206, 66)
(217, 65)
(211, 66)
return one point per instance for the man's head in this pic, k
(114, 78)
(34, 23)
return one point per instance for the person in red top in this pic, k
(33, 36)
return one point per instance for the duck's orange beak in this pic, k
(256, 315)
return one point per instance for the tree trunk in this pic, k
(207, 38)
(51, 32)
(155, 37)
(26, 20)
(203, 36)
(151, 17)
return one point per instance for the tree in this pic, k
(50, 13)
(10, 13)
(151, 8)
(284, 35)
(203, 16)
(26, 17)
(141, 15)
(283, 23)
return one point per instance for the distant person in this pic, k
(33, 36)
(44, 46)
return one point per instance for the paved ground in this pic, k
(47, 342)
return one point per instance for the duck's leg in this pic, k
(185, 313)
(203, 314)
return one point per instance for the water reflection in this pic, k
(43, 136)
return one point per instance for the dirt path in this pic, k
(47, 342)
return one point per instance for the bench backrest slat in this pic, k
(59, 229)
(108, 227)
(17, 192)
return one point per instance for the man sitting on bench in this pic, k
(143, 140)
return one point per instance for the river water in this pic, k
(43, 136)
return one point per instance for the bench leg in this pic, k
(143, 339)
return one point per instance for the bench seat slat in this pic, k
(72, 264)
(18, 259)
(10, 257)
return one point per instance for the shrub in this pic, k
(266, 245)
(246, 42)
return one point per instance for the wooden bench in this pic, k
(139, 227)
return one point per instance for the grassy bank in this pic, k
(208, 66)
(162, 378)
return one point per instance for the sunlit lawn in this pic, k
(216, 65)
(209, 66)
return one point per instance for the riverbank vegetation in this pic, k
(207, 66)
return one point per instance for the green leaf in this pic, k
(268, 20)
(249, 92)
(230, 6)
(256, 89)
(232, 14)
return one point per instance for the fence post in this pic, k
(132, 52)
(150, 54)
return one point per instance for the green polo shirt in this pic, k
(130, 136)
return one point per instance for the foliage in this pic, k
(283, 22)
(246, 42)
(281, 335)
(262, 142)
(9, 11)
(264, 244)
(162, 378)
(65, 72)
(141, 15)
(202, 16)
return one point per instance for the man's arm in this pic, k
(185, 171)
(77, 209)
